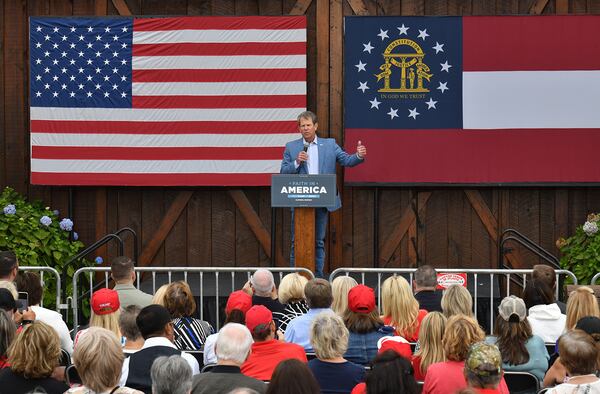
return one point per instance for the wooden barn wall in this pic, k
(402, 226)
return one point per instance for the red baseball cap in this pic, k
(105, 301)
(361, 299)
(397, 344)
(257, 315)
(238, 300)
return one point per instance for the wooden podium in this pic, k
(304, 193)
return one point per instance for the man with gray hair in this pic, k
(171, 375)
(232, 349)
(264, 293)
(424, 286)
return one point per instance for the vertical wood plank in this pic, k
(547, 219)
(175, 244)
(130, 209)
(199, 229)
(223, 224)
(270, 7)
(363, 227)
(459, 230)
(153, 210)
(100, 7)
(246, 244)
(199, 7)
(436, 229)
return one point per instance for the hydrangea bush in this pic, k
(581, 252)
(39, 237)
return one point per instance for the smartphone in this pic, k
(22, 301)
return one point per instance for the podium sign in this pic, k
(303, 190)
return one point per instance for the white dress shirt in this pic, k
(312, 164)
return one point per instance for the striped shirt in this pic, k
(190, 333)
(291, 311)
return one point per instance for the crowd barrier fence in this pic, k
(474, 281)
(56, 277)
(595, 279)
(196, 277)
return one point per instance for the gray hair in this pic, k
(243, 390)
(171, 375)
(262, 282)
(128, 324)
(233, 343)
(308, 115)
(329, 336)
(426, 276)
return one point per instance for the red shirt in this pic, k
(416, 364)
(387, 320)
(266, 355)
(448, 377)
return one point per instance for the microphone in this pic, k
(306, 145)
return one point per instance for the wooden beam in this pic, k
(122, 7)
(100, 7)
(408, 217)
(538, 7)
(358, 7)
(300, 7)
(164, 228)
(256, 225)
(562, 6)
(304, 237)
(100, 220)
(484, 213)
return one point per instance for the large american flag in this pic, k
(483, 99)
(164, 101)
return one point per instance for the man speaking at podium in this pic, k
(313, 155)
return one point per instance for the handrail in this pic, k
(135, 240)
(595, 279)
(96, 245)
(527, 244)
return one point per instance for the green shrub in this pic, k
(581, 252)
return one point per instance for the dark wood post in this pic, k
(304, 237)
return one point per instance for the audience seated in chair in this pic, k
(291, 295)
(520, 349)
(33, 357)
(425, 289)
(364, 324)
(171, 375)
(99, 360)
(547, 274)
(448, 377)
(483, 368)
(232, 348)
(543, 314)
(400, 308)
(261, 287)
(457, 300)
(190, 333)
(106, 310)
(7, 335)
(123, 274)
(431, 348)
(130, 330)
(582, 302)
(156, 327)
(238, 304)
(9, 265)
(267, 351)
(329, 338)
(319, 298)
(293, 377)
(390, 373)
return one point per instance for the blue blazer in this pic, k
(329, 153)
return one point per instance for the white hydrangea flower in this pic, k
(590, 228)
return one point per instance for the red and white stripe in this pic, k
(214, 102)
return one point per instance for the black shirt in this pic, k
(12, 383)
(274, 306)
(429, 300)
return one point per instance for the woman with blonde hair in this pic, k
(33, 356)
(291, 295)
(190, 333)
(106, 310)
(431, 351)
(457, 300)
(159, 295)
(461, 332)
(99, 374)
(582, 302)
(340, 288)
(400, 308)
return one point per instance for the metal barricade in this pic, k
(595, 279)
(475, 278)
(55, 274)
(232, 278)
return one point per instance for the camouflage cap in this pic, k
(484, 359)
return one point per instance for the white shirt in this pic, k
(159, 341)
(55, 320)
(312, 164)
(210, 357)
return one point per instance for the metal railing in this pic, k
(218, 277)
(375, 276)
(595, 279)
(55, 274)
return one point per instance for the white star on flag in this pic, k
(423, 34)
(403, 30)
(360, 66)
(443, 86)
(363, 86)
(413, 113)
(438, 47)
(431, 103)
(393, 113)
(383, 34)
(368, 47)
(375, 103)
(445, 66)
